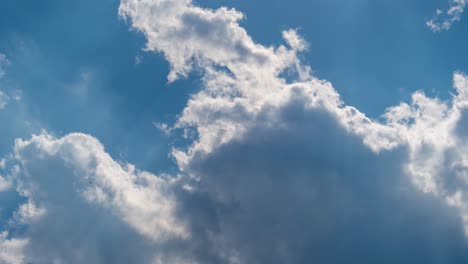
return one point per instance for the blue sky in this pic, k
(86, 45)
(381, 49)
(367, 128)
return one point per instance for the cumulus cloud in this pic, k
(443, 19)
(84, 207)
(11, 250)
(280, 169)
(311, 192)
(3, 99)
(246, 101)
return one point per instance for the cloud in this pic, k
(244, 129)
(311, 192)
(82, 206)
(3, 99)
(11, 250)
(443, 19)
(189, 35)
(281, 170)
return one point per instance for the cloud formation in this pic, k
(81, 205)
(280, 169)
(443, 19)
(246, 88)
(11, 250)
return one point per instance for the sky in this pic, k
(209, 131)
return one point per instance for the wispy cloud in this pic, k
(3, 63)
(3, 99)
(443, 19)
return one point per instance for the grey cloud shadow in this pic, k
(307, 191)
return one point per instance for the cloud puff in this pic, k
(11, 250)
(82, 206)
(444, 19)
(3, 97)
(192, 36)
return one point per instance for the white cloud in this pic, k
(137, 197)
(3, 63)
(280, 169)
(163, 127)
(189, 35)
(443, 19)
(245, 92)
(11, 250)
(76, 191)
(240, 83)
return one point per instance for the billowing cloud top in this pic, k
(280, 169)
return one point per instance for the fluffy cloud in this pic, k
(192, 36)
(310, 192)
(270, 137)
(82, 206)
(11, 250)
(444, 19)
(280, 169)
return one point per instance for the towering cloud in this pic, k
(257, 98)
(242, 91)
(11, 250)
(280, 169)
